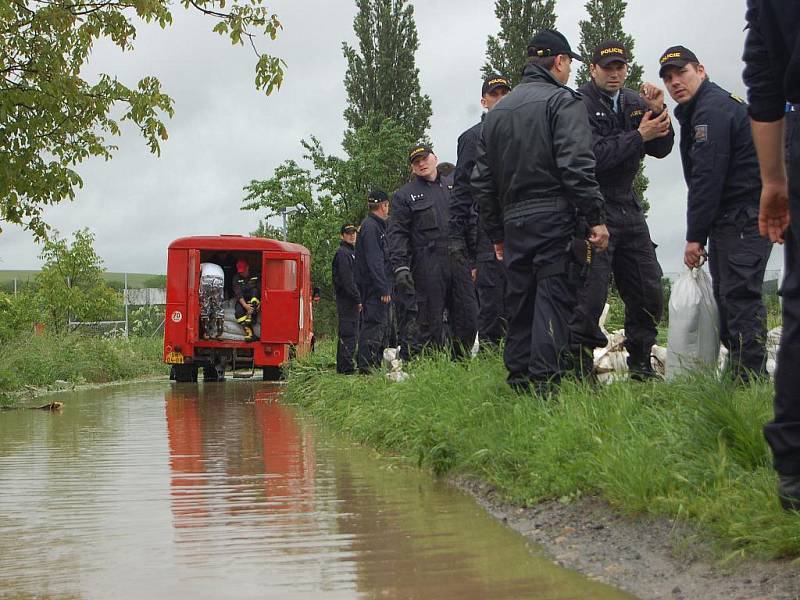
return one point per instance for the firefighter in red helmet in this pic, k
(247, 293)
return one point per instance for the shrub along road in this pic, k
(685, 457)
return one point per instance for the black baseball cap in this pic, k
(419, 150)
(608, 52)
(549, 42)
(494, 81)
(377, 196)
(349, 228)
(676, 56)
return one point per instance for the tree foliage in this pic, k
(331, 190)
(506, 52)
(604, 22)
(70, 285)
(52, 118)
(382, 79)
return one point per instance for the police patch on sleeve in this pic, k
(700, 133)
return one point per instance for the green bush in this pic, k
(41, 360)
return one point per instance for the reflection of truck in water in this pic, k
(203, 331)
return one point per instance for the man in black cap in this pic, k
(348, 300)
(626, 125)
(467, 237)
(533, 179)
(721, 170)
(418, 243)
(772, 75)
(373, 277)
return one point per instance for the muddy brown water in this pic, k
(221, 491)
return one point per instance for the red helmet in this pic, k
(241, 265)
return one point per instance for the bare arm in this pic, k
(773, 217)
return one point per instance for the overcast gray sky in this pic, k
(225, 133)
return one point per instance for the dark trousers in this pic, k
(404, 310)
(441, 283)
(492, 313)
(737, 257)
(372, 338)
(348, 336)
(631, 258)
(539, 342)
(783, 432)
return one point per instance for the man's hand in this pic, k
(653, 95)
(249, 308)
(652, 128)
(773, 216)
(498, 251)
(598, 237)
(404, 281)
(473, 274)
(693, 255)
(360, 307)
(386, 299)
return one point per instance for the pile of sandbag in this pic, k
(394, 365)
(611, 362)
(231, 330)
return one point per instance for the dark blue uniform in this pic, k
(631, 257)
(772, 75)
(418, 240)
(466, 232)
(373, 279)
(347, 301)
(533, 177)
(721, 170)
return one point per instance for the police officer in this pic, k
(533, 178)
(348, 300)
(466, 234)
(772, 56)
(418, 243)
(626, 125)
(373, 278)
(247, 296)
(721, 170)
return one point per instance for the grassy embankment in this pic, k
(42, 360)
(691, 450)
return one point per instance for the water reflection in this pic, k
(219, 490)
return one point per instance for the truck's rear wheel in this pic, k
(272, 373)
(214, 373)
(185, 373)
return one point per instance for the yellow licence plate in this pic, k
(174, 358)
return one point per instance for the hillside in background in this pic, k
(115, 280)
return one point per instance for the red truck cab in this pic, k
(286, 321)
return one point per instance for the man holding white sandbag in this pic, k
(721, 170)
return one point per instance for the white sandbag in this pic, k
(693, 337)
(773, 344)
(231, 330)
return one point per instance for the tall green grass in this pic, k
(44, 359)
(691, 450)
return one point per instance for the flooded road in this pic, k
(219, 491)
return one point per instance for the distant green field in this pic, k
(135, 280)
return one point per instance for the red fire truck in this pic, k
(285, 315)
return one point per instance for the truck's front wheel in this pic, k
(272, 373)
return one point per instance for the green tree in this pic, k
(382, 79)
(604, 23)
(506, 52)
(52, 118)
(331, 190)
(70, 285)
